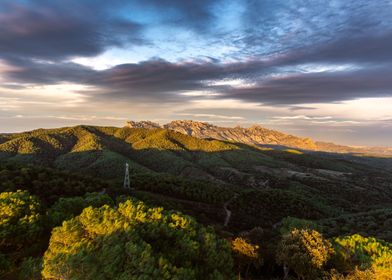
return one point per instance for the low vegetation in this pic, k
(133, 241)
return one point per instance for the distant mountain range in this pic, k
(258, 135)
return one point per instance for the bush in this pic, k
(21, 220)
(357, 274)
(133, 241)
(305, 252)
(362, 252)
(246, 254)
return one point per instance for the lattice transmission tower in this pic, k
(127, 183)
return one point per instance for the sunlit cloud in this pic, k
(319, 68)
(236, 83)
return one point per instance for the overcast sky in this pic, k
(321, 69)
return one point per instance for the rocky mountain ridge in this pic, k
(257, 135)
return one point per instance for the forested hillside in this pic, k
(258, 201)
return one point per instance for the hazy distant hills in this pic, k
(258, 135)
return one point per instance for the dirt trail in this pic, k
(228, 212)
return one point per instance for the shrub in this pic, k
(305, 252)
(133, 241)
(21, 220)
(246, 254)
(357, 274)
(362, 252)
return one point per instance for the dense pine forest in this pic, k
(197, 208)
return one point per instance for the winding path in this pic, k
(228, 212)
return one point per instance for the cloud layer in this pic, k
(290, 54)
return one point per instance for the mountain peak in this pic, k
(189, 124)
(143, 124)
(255, 135)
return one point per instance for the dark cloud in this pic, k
(55, 30)
(160, 79)
(368, 50)
(27, 71)
(37, 39)
(324, 87)
(149, 78)
(162, 76)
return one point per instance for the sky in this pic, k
(320, 69)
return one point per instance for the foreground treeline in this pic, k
(94, 237)
(62, 225)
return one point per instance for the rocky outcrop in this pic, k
(142, 124)
(257, 135)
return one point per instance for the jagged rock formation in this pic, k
(257, 135)
(143, 124)
(253, 135)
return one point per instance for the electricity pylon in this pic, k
(127, 184)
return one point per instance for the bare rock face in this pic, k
(143, 124)
(252, 135)
(256, 135)
(193, 128)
